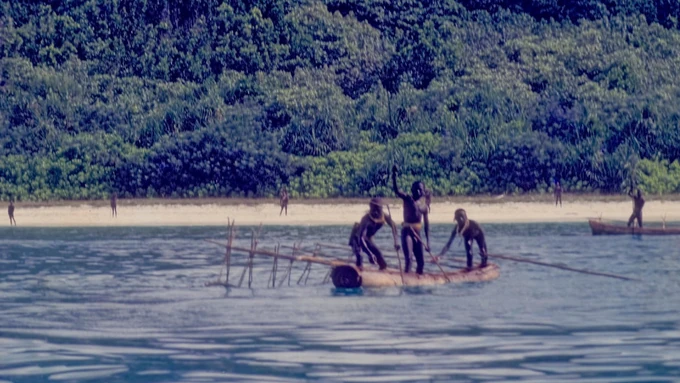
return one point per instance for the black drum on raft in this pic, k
(350, 276)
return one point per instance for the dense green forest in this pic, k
(194, 98)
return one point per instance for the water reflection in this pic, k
(129, 304)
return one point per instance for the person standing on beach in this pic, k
(558, 193)
(363, 232)
(414, 212)
(114, 205)
(638, 204)
(470, 231)
(10, 212)
(283, 200)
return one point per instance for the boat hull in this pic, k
(349, 276)
(601, 228)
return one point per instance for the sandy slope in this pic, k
(186, 214)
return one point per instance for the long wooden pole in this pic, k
(401, 271)
(228, 255)
(583, 271)
(387, 251)
(433, 258)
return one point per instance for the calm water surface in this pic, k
(130, 305)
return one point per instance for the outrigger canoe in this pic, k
(350, 276)
(600, 228)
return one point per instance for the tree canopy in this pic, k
(200, 98)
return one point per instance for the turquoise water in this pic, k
(130, 305)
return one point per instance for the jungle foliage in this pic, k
(200, 98)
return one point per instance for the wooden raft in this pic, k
(350, 276)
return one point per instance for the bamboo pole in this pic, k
(583, 271)
(433, 258)
(401, 271)
(289, 270)
(308, 268)
(300, 258)
(272, 275)
(228, 254)
(276, 265)
(251, 256)
(219, 277)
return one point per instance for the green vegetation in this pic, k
(202, 98)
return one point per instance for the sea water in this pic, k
(131, 305)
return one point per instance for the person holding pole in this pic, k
(470, 231)
(363, 232)
(415, 214)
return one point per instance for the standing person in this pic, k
(470, 231)
(638, 204)
(414, 213)
(283, 200)
(363, 232)
(114, 205)
(10, 212)
(558, 193)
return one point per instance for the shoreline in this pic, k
(217, 212)
(229, 201)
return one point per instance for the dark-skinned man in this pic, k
(638, 204)
(283, 200)
(415, 213)
(114, 205)
(470, 231)
(10, 212)
(361, 238)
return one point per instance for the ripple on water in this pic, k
(129, 305)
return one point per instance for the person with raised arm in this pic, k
(638, 204)
(415, 214)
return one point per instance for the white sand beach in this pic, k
(253, 212)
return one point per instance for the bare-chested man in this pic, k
(363, 232)
(114, 205)
(10, 211)
(414, 212)
(283, 200)
(471, 231)
(638, 204)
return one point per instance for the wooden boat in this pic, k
(344, 274)
(600, 228)
(349, 276)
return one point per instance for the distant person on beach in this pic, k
(470, 231)
(283, 200)
(415, 213)
(638, 204)
(558, 193)
(363, 232)
(10, 212)
(114, 208)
